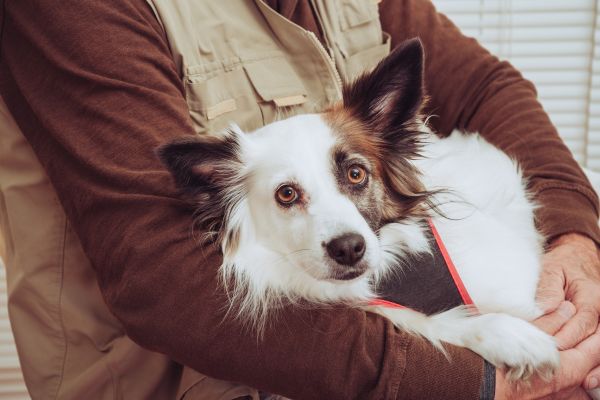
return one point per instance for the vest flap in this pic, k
(356, 13)
(274, 80)
(367, 60)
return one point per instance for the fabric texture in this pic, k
(94, 89)
(426, 285)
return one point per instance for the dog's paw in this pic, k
(516, 345)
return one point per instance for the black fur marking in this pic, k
(391, 95)
(207, 170)
(388, 101)
(198, 164)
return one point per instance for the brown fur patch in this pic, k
(379, 118)
(354, 136)
(404, 195)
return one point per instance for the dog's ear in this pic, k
(388, 101)
(392, 94)
(203, 164)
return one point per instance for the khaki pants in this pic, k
(69, 344)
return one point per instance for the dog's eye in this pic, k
(286, 195)
(356, 175)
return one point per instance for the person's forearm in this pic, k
(92, 86)
(472, 90)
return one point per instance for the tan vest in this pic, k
(240, 62)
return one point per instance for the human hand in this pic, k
(571, 271)
(575, 364)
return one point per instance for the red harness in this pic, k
(462, 290)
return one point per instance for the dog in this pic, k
(319, 208)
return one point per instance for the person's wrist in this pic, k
(576, 239)
(502, 387)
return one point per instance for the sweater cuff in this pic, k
(458, 376)
(564, 211)
(488, 386)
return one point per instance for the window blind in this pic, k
(554, 43)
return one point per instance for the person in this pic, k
(101, 259)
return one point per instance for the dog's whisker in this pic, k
(299, 251)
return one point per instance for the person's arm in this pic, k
(93, 87)
(470, 89)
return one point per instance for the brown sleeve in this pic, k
(470, 89)
(93, 87)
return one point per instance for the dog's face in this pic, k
(315, 189)
(312, 199)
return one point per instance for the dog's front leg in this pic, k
(503, 340)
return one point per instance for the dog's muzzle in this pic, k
(347, 250)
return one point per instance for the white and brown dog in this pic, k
(320, 207)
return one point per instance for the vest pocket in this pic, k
(361, 42)
(218, 98)
(359, 24)
(354, 13)
(366, 60)
(249, 93)
(280, 91)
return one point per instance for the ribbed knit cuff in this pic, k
(488, 386)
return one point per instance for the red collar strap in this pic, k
(464, 294)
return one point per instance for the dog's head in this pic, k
(314, 190)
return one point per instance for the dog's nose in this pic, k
(347, 249)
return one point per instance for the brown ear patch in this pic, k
(392, 93)
(404, 195)
(206, 170)
(353, 134)
(379, 118)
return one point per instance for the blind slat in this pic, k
(555, 45)
(521, 6)
(499, 21)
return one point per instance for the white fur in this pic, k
(280, 255)
(489, 233)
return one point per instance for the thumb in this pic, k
(552, 322)
(592, 382)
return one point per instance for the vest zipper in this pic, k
(330, 62)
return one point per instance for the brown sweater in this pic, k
(94, 89)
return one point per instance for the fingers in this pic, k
(592, 381)
(594, 394)
(578, 394)
(575, 365)
(572, 394)
(551, 323)
(589, 351)
(582, 325)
